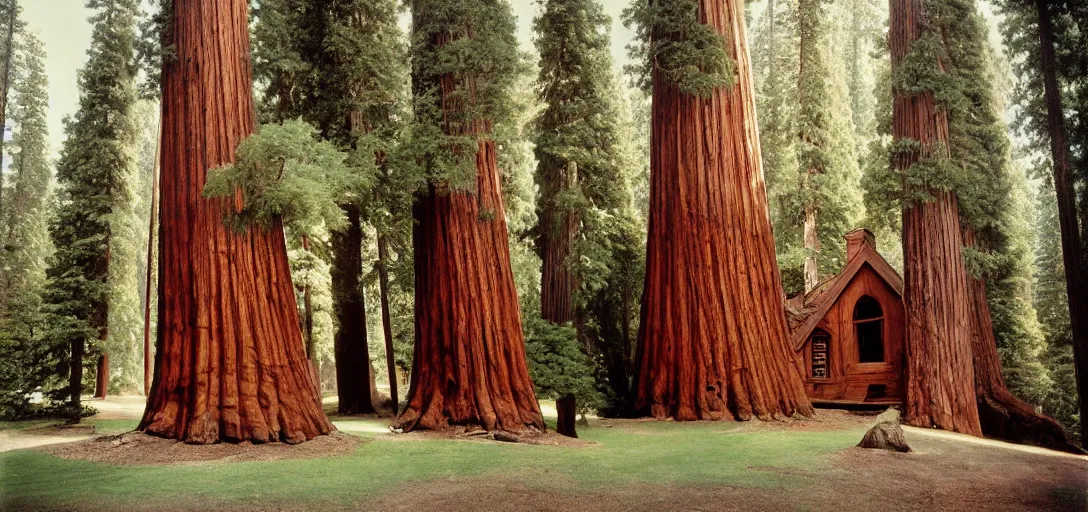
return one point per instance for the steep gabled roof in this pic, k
(805, 316)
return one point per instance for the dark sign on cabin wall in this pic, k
(820, 342)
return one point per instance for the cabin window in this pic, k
(820, 341)
(869, 326)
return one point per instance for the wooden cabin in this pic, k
(849, 330)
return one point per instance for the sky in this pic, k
(62, 25)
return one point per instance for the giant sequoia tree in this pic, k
(940, 376)
(979, 147)
(713, 339)
(469, 366)
(93, 172)
(230, 364)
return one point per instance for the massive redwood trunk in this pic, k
(713, 339)
(469, 366)
(940, 374)
(350, 342)
(1076, 264)
(1002, 414)
(230, 364)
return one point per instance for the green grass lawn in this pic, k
(662, 453)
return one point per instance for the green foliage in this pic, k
(807, 135)
(284, 172)
(585, 166)
(94, 174)
(557, 364)
(671, 41)
(462, 79)
(23, 230)
(1051, 303)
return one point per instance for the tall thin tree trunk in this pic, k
(713, 342)
(350, 342)
(230, 364)
(558, 230)
(1002, 414)
(940, 374)
(812, 248)
(387, 328)
(102, 377)
(152, 222)
(308, 330)
(1076, 265)
(9, 53)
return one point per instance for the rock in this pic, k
(889, 416)
(885, 436)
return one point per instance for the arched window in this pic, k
(869, 326)
(821, 342)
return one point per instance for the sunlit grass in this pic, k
(628, 453)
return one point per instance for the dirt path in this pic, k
(947, 472)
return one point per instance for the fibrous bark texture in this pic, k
(713, 342)
(1002, 414)
(350, 342)
(940, 374)
(469, 365)
(230, 364)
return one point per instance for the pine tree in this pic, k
(93, 174)
(583, 187)
(10, 25)
(23, 227)
(710, 241)
(808, 140)
(1052, 305)
(469, 365)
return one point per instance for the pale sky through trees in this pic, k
(62, 25)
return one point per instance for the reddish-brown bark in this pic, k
(1076, 265)
(350, 342)
(102, 376)
(230, 364)
(149, 276)
(940, 374)
(469, 365)
(1002, 414)
(558, 230)
(713, 342)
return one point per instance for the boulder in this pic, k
(887, 434)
